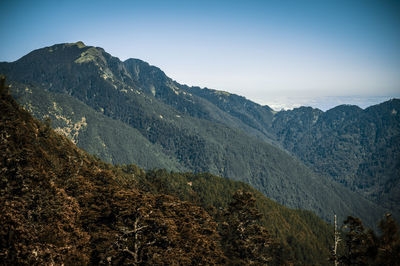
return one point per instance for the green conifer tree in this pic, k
(244, 240)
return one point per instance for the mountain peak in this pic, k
(91, 54)
(52, 48)
(80, 44)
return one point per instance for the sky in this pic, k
(269, 51)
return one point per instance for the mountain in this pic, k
(60, 205)
(358, 148)
(183, 128)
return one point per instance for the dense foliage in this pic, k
(364, 247)
(304, 237)
(244, 241)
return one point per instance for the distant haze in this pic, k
(323, 103)
(294, 50)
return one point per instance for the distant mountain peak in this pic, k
(345, 109)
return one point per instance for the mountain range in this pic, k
(343, 161)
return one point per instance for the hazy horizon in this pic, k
(325, 103)
(263, 50)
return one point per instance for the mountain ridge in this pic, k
(199, 134)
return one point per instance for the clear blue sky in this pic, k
(258, 49)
